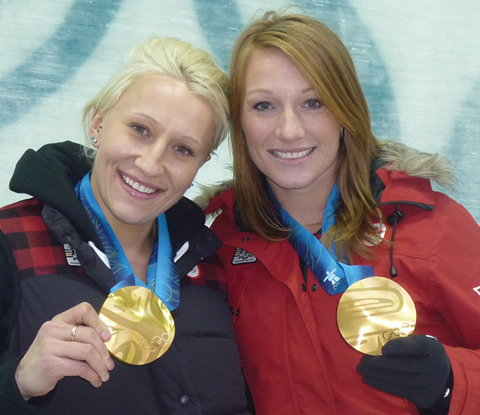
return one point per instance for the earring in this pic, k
(98, 129)
(342, 133)
(93, 140)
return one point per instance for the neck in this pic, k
(136, 238)
(305, 206)
(137, 243)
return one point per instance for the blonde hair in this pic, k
(178, 60)
(325, 63)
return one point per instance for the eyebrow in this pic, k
(268, 91)
(196, 141)
(146, 116)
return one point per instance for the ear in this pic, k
(95, 127)
(209, 157)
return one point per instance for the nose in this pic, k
(289, 126)
(152, 159)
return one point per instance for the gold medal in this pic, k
(142, 327)
(373, 311)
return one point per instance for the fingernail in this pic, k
(105, 336)
(106, 377)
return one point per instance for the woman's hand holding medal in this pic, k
(71, 344)
(377, 316)
(416, 368)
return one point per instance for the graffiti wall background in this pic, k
(418, 61)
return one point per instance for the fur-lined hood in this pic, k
(415, 163)
(393, 156)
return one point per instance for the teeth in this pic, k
(137, 186)
(296, 155)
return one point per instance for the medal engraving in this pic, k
(142, 327)
(374, 311)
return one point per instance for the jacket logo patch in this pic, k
(243, 257)
(477, 290)
(194, 273)
(71, 256)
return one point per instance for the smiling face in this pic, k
(150, 146)
(292, 138)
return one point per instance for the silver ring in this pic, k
(73, 332)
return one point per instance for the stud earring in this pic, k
(93, 140)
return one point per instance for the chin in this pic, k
(130, 217)
(292, 185)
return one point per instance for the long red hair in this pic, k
(325, 63)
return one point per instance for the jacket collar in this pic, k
(51, 173)
(403, 175)
(398, 175)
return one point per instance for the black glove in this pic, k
(416, 368)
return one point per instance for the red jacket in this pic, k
(294, 358)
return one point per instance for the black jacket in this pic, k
(199, 374)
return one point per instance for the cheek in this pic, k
(184, 174)
(251, 125)
(326, 131)
(257, 156)
(255, 131)
(110, 150)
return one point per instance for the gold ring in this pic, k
(72, 333)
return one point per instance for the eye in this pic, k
(262, 106)
(140, 129)
(184, 151)
(313, 104)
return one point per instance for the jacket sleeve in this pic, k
(9, 293)
(11, 401)
(455, 277)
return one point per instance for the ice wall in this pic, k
(418, 61)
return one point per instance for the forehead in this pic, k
(147, 86)
(273, 69)
(168, 103)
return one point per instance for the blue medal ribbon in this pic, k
(162, 276)
(334, 276)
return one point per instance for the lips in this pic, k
(291, 155)
(137, 186)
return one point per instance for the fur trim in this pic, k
(209, 192)
(416, 163)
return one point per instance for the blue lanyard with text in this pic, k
(334, 276)
(162, 276)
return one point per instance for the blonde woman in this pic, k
(88, 231)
